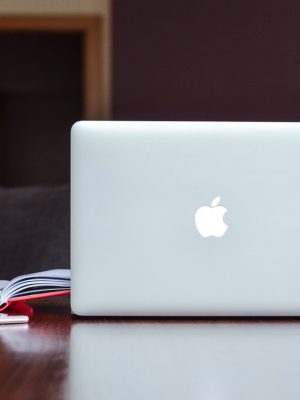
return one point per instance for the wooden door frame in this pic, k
(92, 30)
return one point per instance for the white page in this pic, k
(56, 279)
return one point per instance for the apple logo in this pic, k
(209, 220)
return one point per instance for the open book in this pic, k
(54, 282)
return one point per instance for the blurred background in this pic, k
(66, 60)
(62, 61)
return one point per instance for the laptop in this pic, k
(185, 218)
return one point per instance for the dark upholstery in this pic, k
(34, 229)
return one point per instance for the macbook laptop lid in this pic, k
(185, 218)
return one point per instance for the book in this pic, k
(54, 282)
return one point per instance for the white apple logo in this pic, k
(209, 220)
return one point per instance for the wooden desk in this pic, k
(34, 357)
(106, 359)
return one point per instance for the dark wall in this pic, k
(206, 60)
(40, 98)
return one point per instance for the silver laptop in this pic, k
(185, 218)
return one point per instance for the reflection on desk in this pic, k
(148, 359)
(207, 361)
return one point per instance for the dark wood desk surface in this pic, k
(34, 358)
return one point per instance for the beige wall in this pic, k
(54, 7)
(72, 7)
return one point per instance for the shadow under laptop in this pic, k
(111, 360)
